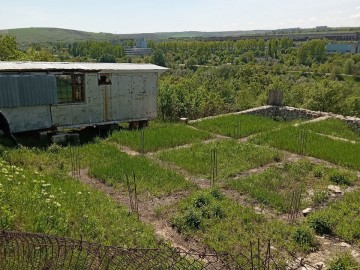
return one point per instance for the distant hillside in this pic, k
(34, 35)
(39, 35)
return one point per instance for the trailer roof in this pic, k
(77, 66)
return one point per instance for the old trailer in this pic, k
(59, 95)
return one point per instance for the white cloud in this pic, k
(358, 7)
(355, 16)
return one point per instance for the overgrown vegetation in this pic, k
(238, 126)
(340, 218)
(233, 157)
(333, 127)
(226, 226)
(35, 202)
(158, 136)
(110, 165)
(336, 151)
(275, 187)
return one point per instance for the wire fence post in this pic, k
(142, 141)
(213, 166)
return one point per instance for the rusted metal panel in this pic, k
(27, 90)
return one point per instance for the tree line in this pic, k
(212, 77)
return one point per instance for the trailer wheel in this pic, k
(5, 127)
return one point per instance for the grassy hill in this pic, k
(44, 34)
(38, 34)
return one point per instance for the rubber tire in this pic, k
(5, 127)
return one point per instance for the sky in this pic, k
(149, 16)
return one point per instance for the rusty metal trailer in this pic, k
(59, 95)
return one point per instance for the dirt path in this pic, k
(147, 211)
(328, 249)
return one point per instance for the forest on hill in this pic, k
(213, 77)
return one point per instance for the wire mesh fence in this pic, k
(19, 250)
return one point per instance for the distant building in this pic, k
(140, 49)
(135, 51)
(321, 28)
(342, 48)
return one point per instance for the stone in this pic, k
(307, 211)
(320, 265)
(183, 120)
(355, 254)
(334, 189)
(345, 245)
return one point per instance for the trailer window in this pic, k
(70, 88)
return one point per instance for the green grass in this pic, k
(339, 152)
(333, 127)
(34, 202)
(110, 165)
(159, 136)
(340, 218)
(233, 157)
(229, 227)
(238, 126)
(275, 186)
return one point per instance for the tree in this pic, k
(158, 58)
(349, 66)
(9, 48)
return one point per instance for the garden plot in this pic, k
(159, 136)
(238, 126)
(333, 127)
(226, 226)
(297, 140)
(232, 157)
(340, 218)
(34, 202)
(276, 187)
(111, 166)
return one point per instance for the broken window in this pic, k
(70, 88)
(104, 79)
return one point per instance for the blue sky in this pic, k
(139, 16)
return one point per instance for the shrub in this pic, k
(344, 261)
(192, 220)
(320, 197)
(216, 193)
(201, 201)
(321, 224)
(340, 178)
(218, 212)
(305, 237)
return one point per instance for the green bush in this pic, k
(201, 201)
(216, 193)
(320, 197)
(341, 178)
(344, 261)
(305, 237)
(321, 224)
